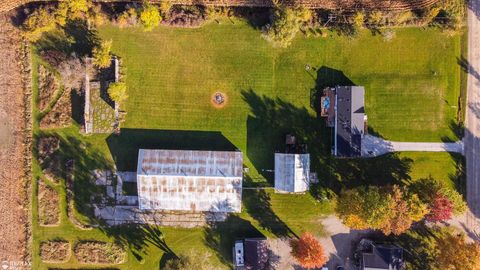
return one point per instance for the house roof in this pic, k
(350, 119)
(256, 253)
(383, 257)
(292, 172)
(190, 180)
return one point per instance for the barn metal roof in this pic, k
(190, 180)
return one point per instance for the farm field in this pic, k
(412, 88)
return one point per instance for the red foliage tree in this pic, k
(308, 251)
(441, 208)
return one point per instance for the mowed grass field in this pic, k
(412, 86)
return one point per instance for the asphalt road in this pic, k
(472, 123)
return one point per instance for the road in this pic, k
(472, 122)
(373, 146)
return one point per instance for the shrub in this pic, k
(375, 18)
(165, 7)
(359, 19)
(118, 92)
(128, 18)
(101, 54)
(150, 17)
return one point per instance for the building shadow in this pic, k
(77, 99)
(124, 147)
(221, 237)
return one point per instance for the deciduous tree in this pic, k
(453, 252)
(308, 251)
(388, 209)
(286, 24)
(39, 22)
(440, 209)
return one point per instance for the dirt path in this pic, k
(13, 217)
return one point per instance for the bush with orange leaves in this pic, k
(308, 251)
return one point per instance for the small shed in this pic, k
(292, 172)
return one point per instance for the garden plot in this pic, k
(48, 87)
(48, 205)
(56, 251)
(100, 110)
(93, 252)
(49, 161)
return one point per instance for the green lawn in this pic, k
(412, 86)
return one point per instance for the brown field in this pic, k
(14, 219)
(317, 4)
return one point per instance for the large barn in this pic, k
(186, 180)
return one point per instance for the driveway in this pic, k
(373, 146)
(338, 245)
(472, 122)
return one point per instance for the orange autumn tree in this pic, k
(308, 251)
(454, 252)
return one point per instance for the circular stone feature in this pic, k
(219, 100)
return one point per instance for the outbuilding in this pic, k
(188, 180)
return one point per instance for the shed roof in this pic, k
(190, 180)
(292, 172)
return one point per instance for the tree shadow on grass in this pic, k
(124, 147)
(75, 37)
(222, 236)
(257, 203)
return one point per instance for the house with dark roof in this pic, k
(381, 257)
(344, 110)
(251, 254)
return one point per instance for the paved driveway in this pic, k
(373, 146)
